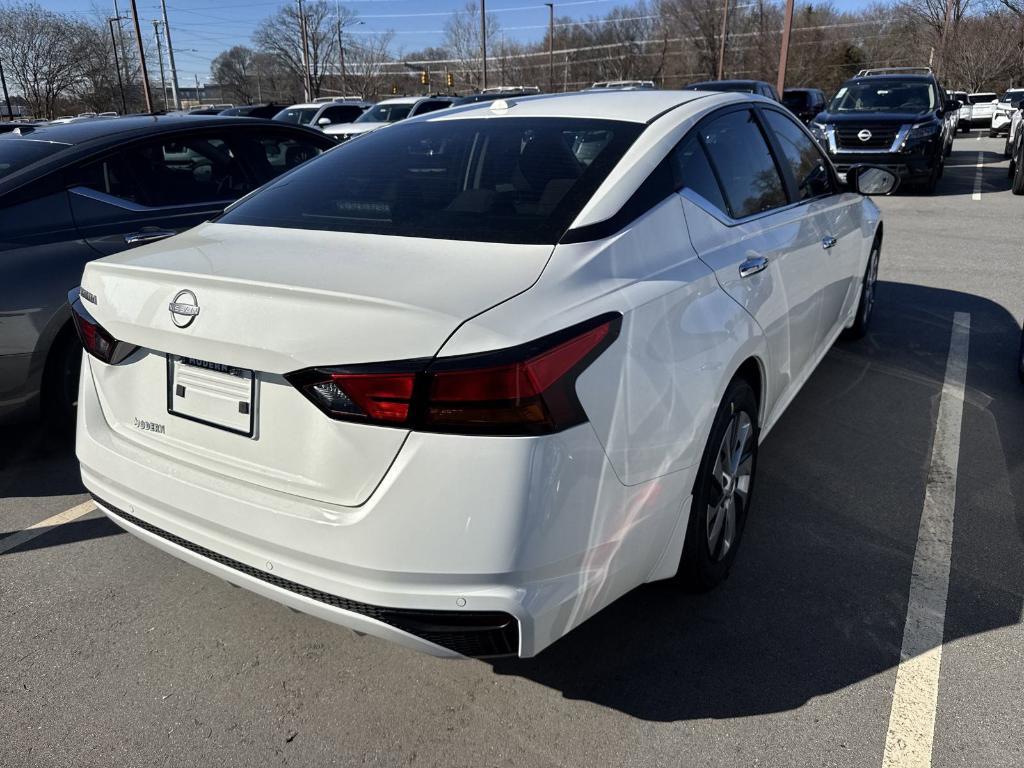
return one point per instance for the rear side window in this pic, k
(508, 180)
(429, 106)
(694, 172)
(810, 174)
(740, 155)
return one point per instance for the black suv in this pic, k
(805, 103)
(897, 118)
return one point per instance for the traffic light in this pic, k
(394, 89)
(424, 77)
(450, 80)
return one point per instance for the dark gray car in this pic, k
(72, 193)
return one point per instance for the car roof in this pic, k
(84, 139)
(640, 106)
(126, 127)
(728, 82)
(923, 77)
(403, 100)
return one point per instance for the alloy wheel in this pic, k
(730, 484)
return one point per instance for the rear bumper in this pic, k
(470, 546)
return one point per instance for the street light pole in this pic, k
(7, 96)
(483, 43)
(787, 28)
(142, 59)
(170, 57)
(160, 55)
(341, 49)
(117, 64)
(721, 43)
(551, 47)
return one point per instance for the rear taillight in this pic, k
(524, 390)
(94, 337)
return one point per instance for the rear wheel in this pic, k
(1017, 185)
(722, 491)
(867, 295)
(60, 380)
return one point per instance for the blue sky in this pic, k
(203, 28)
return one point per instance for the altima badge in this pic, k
(864, 135)
(184, 309)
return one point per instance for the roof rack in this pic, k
(895, 71)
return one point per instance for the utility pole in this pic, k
(483, 43)
(306, 83)
(199, 99)
(160, 55)
(787, 28)
(120, 41)
(142, 59)
(117, 64)
(551, 47)
(721, 42)
(7, 96)
(170, 57)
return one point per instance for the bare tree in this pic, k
(462, 40)
(280, 36)
(366, 65)
(42, 53)
(234, 70)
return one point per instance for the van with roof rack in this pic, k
(899, 118)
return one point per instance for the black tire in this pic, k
(867, 295)
(1006, 147)
(1020, 358)
(60, 380)
(704, 564)
(1017, 185)
(1011, 168)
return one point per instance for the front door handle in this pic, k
(753, 265)
(148, 236)
(828, 241)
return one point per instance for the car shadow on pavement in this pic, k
(818, 596)
(37, 459)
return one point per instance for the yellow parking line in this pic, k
(38, 529)
(908, 743)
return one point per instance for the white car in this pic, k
(324, 113)
(389, 111)
(1004, 111)
(979, 110)
(466, 381)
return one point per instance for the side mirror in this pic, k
(952, 105)
(324, 121)
(872, 180)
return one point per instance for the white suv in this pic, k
(389, 111)
(978, 110)
(1002, 116)
(323, 113)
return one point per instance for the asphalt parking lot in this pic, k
(115, 654)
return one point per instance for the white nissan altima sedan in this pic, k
(464, 382)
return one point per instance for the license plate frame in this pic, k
(218, 370)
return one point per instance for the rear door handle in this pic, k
(148, 236)
(828, 241)
(753, 265)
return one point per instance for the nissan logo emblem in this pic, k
(864, 135)
(184, 308)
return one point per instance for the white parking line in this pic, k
(977, 177)
(38, 529)
(908, 743)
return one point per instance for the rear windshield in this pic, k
(796, 100)
(981, 98)
(888, 95)
(385, 113)
(17, 153)
(511, 180)
(298, 116)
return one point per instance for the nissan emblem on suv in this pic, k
(864, 135)
(184, 308)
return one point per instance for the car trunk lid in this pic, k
(273, 301)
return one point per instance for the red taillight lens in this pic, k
(94, 337)
(529, 389)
